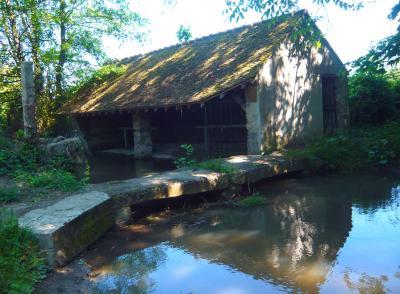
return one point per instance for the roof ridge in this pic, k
(177, 45)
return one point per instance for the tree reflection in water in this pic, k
(129, 272)
(294, 242)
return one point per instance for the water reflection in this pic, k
(113, 167)
(326, 234)
(132, 271)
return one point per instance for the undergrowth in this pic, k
(53, 179)
(21, 265)
(356, 148)
(25, 162)
(8, 195)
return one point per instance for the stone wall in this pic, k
(289, 97)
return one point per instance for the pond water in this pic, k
(114, 167)
(328, 234)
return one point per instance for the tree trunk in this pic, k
(62, 55)
(13, 35)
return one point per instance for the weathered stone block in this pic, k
(70, 225)
(71, 148)
(164, 185)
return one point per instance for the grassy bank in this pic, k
(356, 149)
(21, 265)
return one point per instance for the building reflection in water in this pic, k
(290, 243)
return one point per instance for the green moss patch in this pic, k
(253, 200)
(218, 165)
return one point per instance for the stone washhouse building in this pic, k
(246, 90)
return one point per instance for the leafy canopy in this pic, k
(183, 34)
(64, 39)
(272, 8)
(385, 53)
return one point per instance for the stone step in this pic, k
(67, 227)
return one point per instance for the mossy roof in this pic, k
(186, 73)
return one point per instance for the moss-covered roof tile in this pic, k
(186, 73)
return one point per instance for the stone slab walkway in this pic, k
(67, 227)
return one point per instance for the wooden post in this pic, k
(28, 100)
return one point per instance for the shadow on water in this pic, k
(329, 234)
(113, 167)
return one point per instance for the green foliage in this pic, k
(183, 34)
(10, 101)
(355, 149)
(272, 8)
(218, 165)
(21, 265)
(253, 200)
(385, 52)
(98, 76)
(64, 41)
(8, 195)
(7, 161)
(187, 160)
(53, 179)
(24, 162)
(371, 98)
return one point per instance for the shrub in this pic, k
(8, 161)
(21, 265)
(187, 160)
(8, 195)
(25, 162)
(28, 156)
(4, 142)
(53, 179)
(371, 98)
(356, 148)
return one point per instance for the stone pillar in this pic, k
(253, 121)
(143, 146)
(28, 100)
